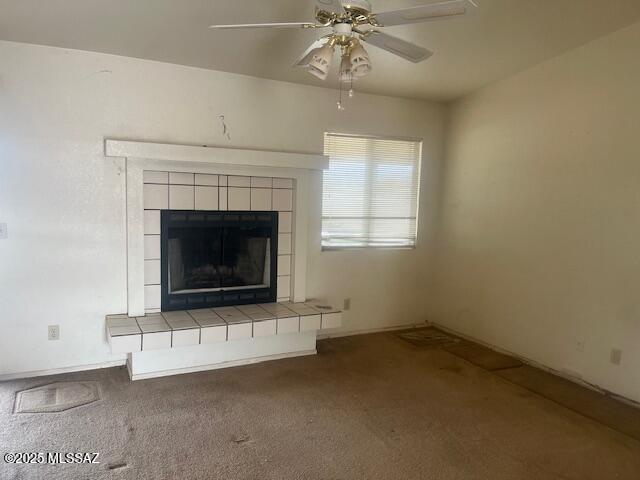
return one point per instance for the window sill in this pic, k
(398, 247)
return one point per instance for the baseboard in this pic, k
(349, 333)
(559, 373)
(56, 371)
(215, 366)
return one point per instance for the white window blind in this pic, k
(370, 192)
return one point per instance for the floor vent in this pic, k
(56, 397)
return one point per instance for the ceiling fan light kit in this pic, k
(360, 63)
(353, 22)
(321, 61)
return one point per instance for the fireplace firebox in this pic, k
(212, 259)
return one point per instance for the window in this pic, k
(370, 196)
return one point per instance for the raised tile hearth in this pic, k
(157, 331)
(163, 178)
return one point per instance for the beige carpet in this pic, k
(366, 407)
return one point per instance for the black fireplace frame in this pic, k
(208, 218)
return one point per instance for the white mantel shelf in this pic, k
(216, 155)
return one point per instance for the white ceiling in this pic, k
(500, 38)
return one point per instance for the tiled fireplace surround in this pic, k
(198, 191)
(179, 177)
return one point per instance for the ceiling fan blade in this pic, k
(397, 46)
(305, 58)
(265, 25)
(424, 13)
(330, 5)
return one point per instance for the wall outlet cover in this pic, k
(54, 332)
(346, 304)
(616, 356)
(4, 231)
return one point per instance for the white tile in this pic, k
(156, 341)
(121, 325)
(255, 312)
(262, 182)
(177, 178)
(181, 197)
(223, 204)
(288, 325)
(309, 322)
(284, 287)
(180, 320)
(206, 317)
(231, 315)
(206, 198)
(284, 264)
(152, 296)
(280, 311)
(155, 177)
(284, 222)
(204, 179)
(331, 320)
(213, 334)
(151, 247)
(155, 197)
(239, 181)
(152, 222)
(151, 323)
(152, 272)
(282, 183)
(237, 331)
(261, 199)
(284, 243)
(223, 180)
(185, 338)
(300, 308)
(264, 328)
(126, 343)
(239, 199)
(282, 200)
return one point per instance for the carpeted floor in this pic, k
(365, 407)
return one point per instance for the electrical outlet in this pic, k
(616, 356)
(580, 345)
(346, 304)
(54, 332)
(4, 232)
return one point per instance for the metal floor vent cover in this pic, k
(56, 397)
(428, 338)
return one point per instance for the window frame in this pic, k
(420, 142)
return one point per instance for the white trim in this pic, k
(572, 377)
(215, 366)
(299, 242)
(135, 239)
(211, 154)
(57, 371)
(323, 336)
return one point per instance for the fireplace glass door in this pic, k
(215, 258)
(210, 259)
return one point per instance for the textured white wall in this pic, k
(540, 229)
(64, 261)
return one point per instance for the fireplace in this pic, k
(217, 258)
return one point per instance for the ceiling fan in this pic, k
(353, 22)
